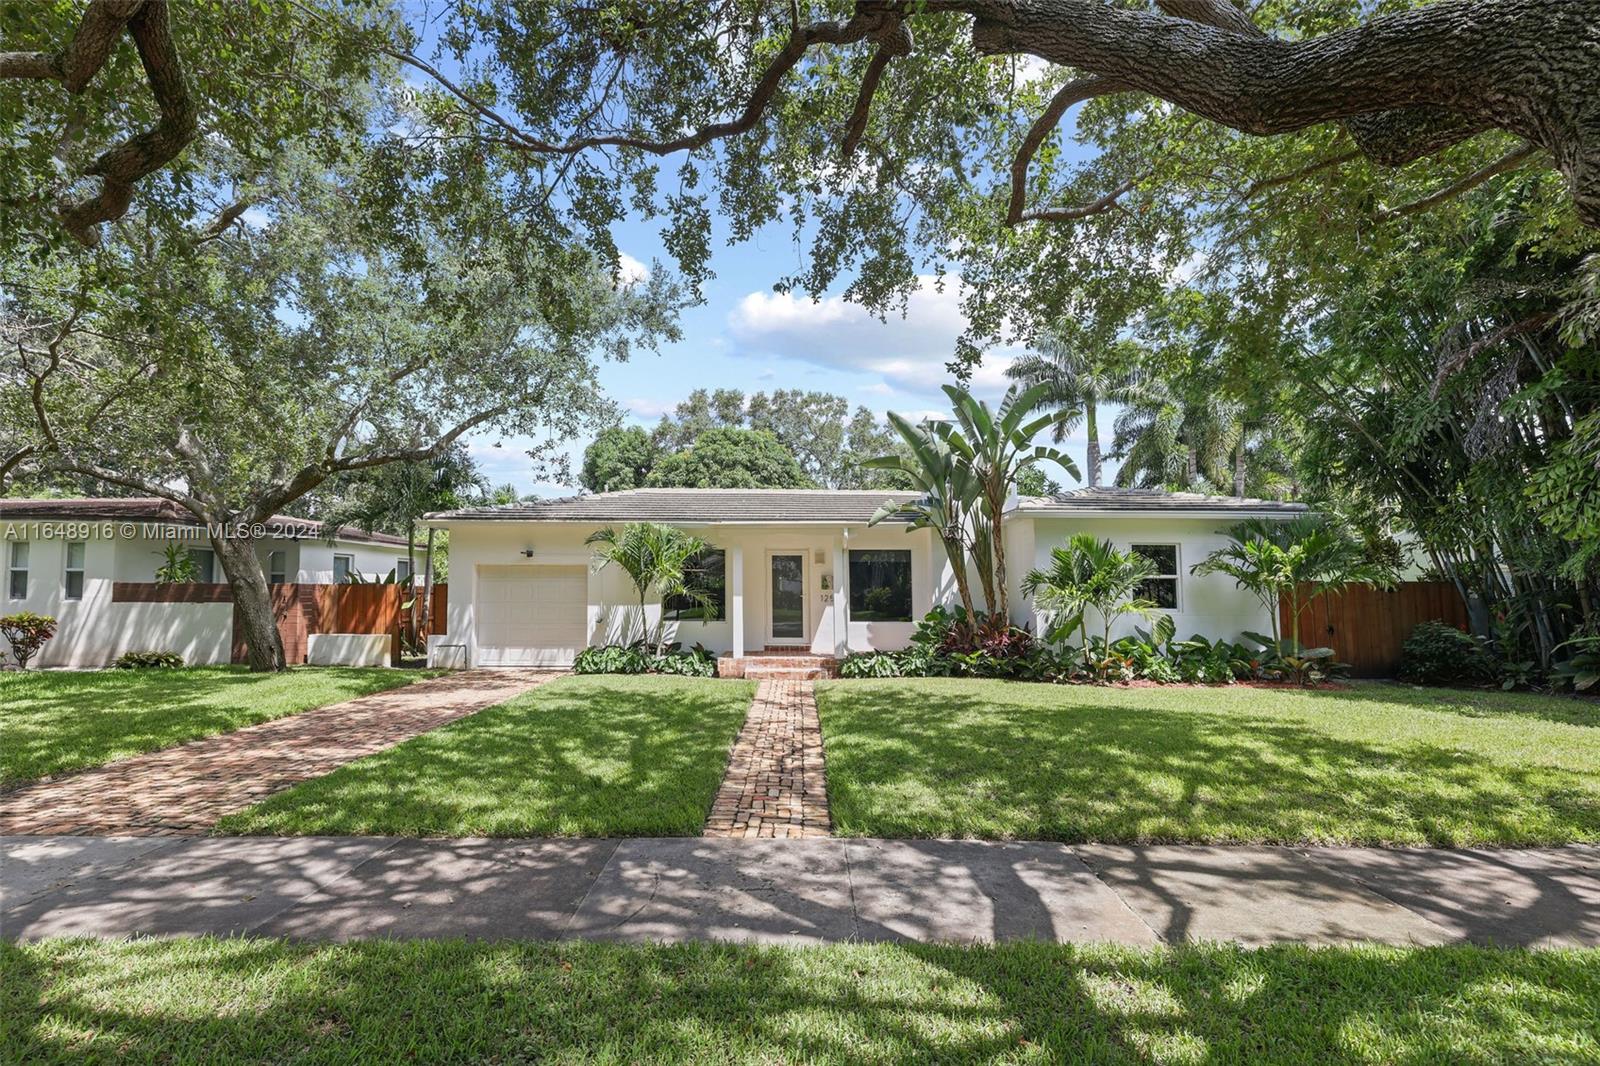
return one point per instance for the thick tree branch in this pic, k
(1509, 161)
(1073, 92)
(860, 26)
(76, 65)
(894, 40)
(151, 150)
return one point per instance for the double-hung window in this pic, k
(17, 574)
(880, 585)
(343, 566)
(72, 573)
(277, 567)
(706, 574)
(402, 571)
(1162, 588)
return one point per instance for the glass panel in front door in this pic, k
(788, 597)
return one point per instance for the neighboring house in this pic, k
(798, 569)
(81, 561)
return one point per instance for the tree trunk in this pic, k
(426, 625)
(410, 593)
(999, 545)
(252, 604)
(1091, 426)
(956, 552)
(1238, 469)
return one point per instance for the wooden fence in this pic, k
(303, 610)
(1366, 626)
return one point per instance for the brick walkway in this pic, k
(187, 788)
(775, 785)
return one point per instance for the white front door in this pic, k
(786, 598)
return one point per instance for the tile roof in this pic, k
(155, 509)
(711, 506)
(1146, 501)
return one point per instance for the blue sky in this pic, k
(745, 336)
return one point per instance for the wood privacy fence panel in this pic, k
(300, 610)
(1366, 626)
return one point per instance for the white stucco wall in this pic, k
(613, 609)
(1212, 606)
(93, 630)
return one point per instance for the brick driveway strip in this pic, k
(775, 786)
(789, 891)
(186, 789)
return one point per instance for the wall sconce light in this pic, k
(527, 553)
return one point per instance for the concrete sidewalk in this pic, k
(792, 891)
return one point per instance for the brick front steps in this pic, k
(775, 665)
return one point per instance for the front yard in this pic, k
(55, 721)
(580, 756)
(236, 1001)
(1372, 764)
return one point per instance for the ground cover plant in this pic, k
(581, 756)
(1371, 763)
(241, 1000)
(56, 721)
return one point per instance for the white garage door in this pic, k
(531, 615)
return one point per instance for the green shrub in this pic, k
(873, 664)
(26, 632)
(617, 659)
(148, 660)
(1438, 654)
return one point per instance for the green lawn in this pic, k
(57, 720)
(237, 1001)
(580, 756)
(1371, 764)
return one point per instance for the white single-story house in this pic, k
(799, 569)
(62, 558)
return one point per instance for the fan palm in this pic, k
(652, 555)
(1077, 381)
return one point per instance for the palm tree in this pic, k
(1295, 560)
(653, 555)
(1085, 573)
(995, 446)
(1077, 383)
(949, 501)
(1169, 439)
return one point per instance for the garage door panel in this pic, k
(531, 615)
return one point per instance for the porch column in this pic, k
(736, 597)
(841, 596)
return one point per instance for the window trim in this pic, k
(1176, 577)
(689, 613)
(12, 569)
(349, 567)
(911, 586)
(278, 575)
(67, 569)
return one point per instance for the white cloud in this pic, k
(629, 270)
(648, 407)
(907, 352)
